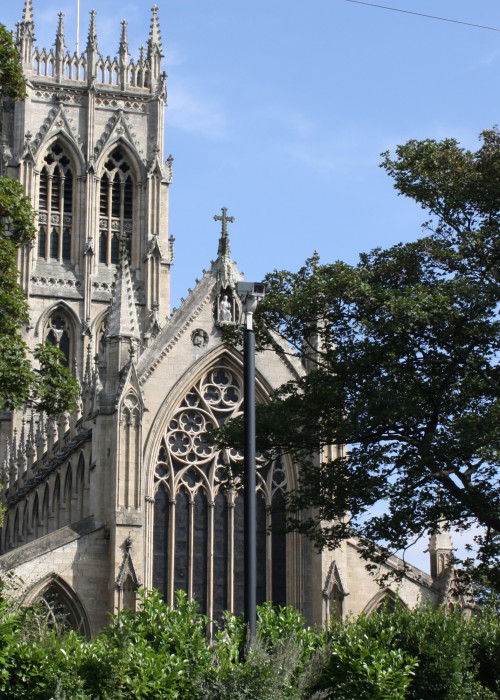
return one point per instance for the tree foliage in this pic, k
(160, 652)
(403, 357)
(12, 83)
(50, 386)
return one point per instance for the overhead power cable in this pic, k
(420, 14)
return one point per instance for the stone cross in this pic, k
(224, 220)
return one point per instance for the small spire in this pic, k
(31, 432)
(440, 550)
(13, 451)
(122, 319)
(87, 377)
(26, 36)
(154, 34)
(92, 36)
(123, 50)
(22, 437)
(315, 260)
(60, 43)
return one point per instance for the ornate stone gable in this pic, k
(57, 122)
(118, 129)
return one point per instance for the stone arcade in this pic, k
(126, 492)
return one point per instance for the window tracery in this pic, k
(55, 205)
(115, 207)
(198, 517)
(59, 608)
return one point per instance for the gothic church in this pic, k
(126, 492)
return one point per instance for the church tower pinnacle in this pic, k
(60, 45)
(123, 55)
(26, 35)
(154, 54)
(92, 51)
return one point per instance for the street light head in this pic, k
(251, 290)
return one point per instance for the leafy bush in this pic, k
(162, 653)
(283, 662)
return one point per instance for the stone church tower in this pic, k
(126, 492)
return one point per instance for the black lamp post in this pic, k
(250, 294)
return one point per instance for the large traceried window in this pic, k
(198, 514)
(55, 206)
(115, 207)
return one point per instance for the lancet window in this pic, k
(115, 207)
(58, 332)
(55, 206)
(199, 510)
(59, 610)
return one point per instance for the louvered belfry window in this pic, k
(198, 508)
(115, 207)
(55, 206)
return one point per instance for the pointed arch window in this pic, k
(115, 207)
(199, 513)
(55, 205)
(58, 332)
(59, 607)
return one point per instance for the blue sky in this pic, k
(279, 110)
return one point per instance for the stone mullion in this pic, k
(122, 211)
(128, 436)
(230, 552)
(48, 234)
(210, 559)
(269, 554)
(61, 218)
(191, 549)
(171, 554)
(109, 235)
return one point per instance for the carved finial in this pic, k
(60, 43)
(28, 11)
(124, 41)
(92, 37)
(154, 34)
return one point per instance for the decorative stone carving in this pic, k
(199, 338)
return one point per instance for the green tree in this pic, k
(50, 386)
(403, 358)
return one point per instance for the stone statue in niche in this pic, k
(225, 314)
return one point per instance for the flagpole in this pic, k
(78, 28)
